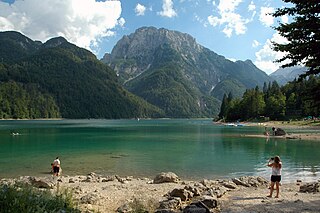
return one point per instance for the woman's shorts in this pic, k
(56, 169)
(275, 178)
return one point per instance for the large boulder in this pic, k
(168, 177)
(279, 132)
(195, 209)
(171, 203)
(47, 183)
(183, 194)
(208, 201)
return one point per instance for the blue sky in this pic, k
(236, 29)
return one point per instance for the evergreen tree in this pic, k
(224, 106)
(302, 33)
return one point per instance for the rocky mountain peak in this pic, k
(144, 41)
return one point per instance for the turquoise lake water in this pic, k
(193, 149)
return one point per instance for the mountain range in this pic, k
(285, 75)
(149, 73)
(171, 70)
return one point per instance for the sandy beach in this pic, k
(95, 193)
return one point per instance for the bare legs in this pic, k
(272, 188)
(277, 188)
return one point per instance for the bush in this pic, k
(23, 198)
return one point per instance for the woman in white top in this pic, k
(276, 165)
(56, 166)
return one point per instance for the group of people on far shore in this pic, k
(275, 132)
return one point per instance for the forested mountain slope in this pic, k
(76, 84)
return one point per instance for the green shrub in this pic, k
(23, 198)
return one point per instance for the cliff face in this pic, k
(138, 58)
(135, 53)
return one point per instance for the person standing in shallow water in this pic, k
(56, 166)
(276, 165)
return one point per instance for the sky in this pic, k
(236, 29)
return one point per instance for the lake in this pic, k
(191, 148)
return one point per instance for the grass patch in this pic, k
(24, 198)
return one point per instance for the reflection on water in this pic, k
(193, 149)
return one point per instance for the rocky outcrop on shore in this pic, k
(166, 193)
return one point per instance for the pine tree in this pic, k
(302, 33)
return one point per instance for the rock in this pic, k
(108, 178)
(92, 174)
(168, 177)
(71, 180)
(279, 132)
(209, 183)
(42, 182)
(181, 193)
(89, 179)
(195, 191)
(229, 185)
(220, 191)
(195, 208)
(309, 187)
(125, 208)
(298, 201)
(172, 203)
(209, 201)
(129, 178)
(248, 181)
(89, 199)
(121, 180)
(165, 211)
(239, 182)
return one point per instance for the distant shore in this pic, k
(36, 119)
(300, 128)
(308, 124)
(95, 193)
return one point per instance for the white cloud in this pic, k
(228, 5)
(266, 56)
(82, 22)
(167, 9)
(255, 43)
(232, 21)
(121, 21)
(265, 17)
(140, 9)
(252, 6)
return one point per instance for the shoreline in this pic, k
(96, 193)
(298, 134)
